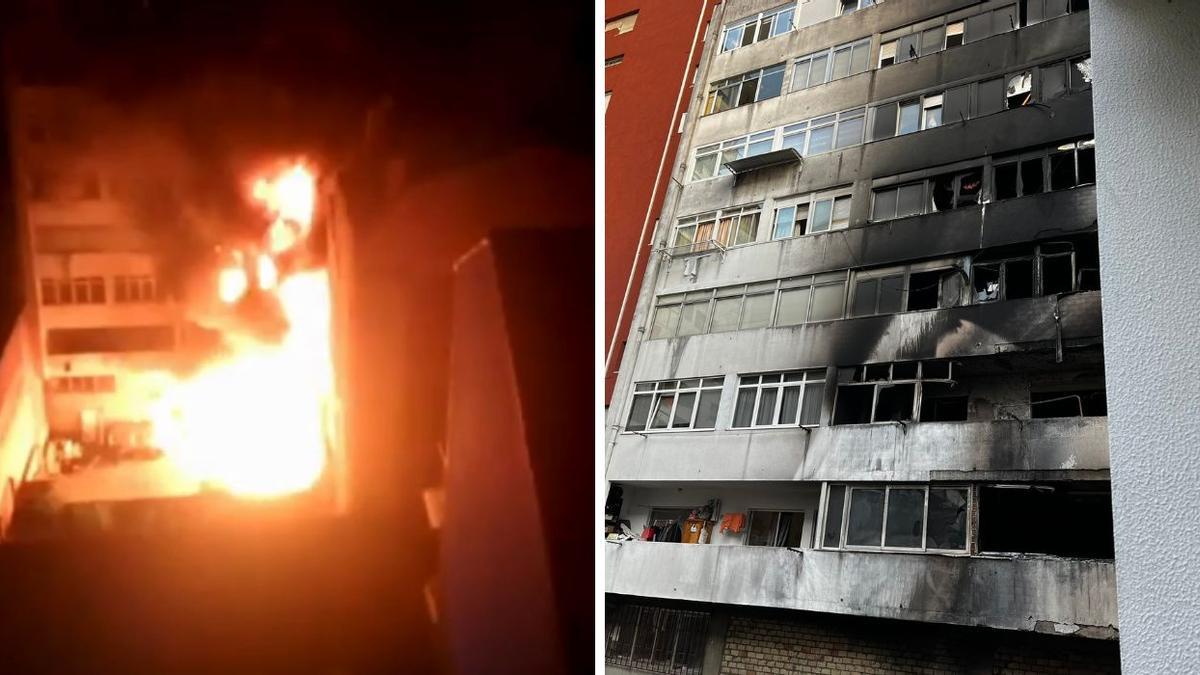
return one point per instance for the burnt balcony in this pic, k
(1028, 593)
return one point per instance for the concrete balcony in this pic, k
(1049, 595)
(957, 332)
(999, 450)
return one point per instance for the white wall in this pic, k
(1146, 90)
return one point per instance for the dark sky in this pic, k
(464, 78)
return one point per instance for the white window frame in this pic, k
(887, 488)
(833, 197)
(804, 63)
(739, 81)
(756, 20)
(729, 239)
(658, 389)
(755, 383)
(861, 5)
(927, 183)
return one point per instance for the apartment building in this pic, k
(860, 422)
(104, 314)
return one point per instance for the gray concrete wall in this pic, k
(1146, 89)
(1051, 595)
(867, 452)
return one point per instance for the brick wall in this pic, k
(800, 642)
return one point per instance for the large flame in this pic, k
(253, 422)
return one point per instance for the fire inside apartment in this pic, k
(184, 362)
(860, 424)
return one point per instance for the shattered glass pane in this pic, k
(947, 526)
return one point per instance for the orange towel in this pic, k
(733, 522)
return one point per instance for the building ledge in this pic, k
(1062, 596)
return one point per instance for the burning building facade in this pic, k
(179, 357)
(860, 422)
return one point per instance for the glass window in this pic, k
(793, 306)
(821, 139)
(1054, 80)
(665, 320)
(977, 27)
(884, 125)
(865, 293)
(756, 310)
(638, 412)
(827, 302)
(909, 199)
(835, 505)
(785, 222)
(733, 38)
(694, 318)
(850, 129)
(706, 412)
(814, 394)
(991, 96)
(932, 107)
(932, 40)
(884, 207)
(891, 294)
(841, 63)
(910, 117)
(907, 48)
(725, 314)
(772, 82)
(905, 517)
(947, 522)
(865, 524)
(841, 213)
(819, 72)
(957, 102)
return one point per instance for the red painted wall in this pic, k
(638, 121)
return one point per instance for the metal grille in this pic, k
(656, 639)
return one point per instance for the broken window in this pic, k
(812, 214)
(885, 392)
(905, 517)
(779, 399)
(954, 190)
(1067, 165)
(943, 402)
(1081, 74)
(675, 404)
(1019, 90)
(1072, 403)
(1064, 519)
(1031, 176)
(924, 289)
(945, 192)
(775, 528)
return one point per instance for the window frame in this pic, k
(722, 237)
(750, 515)
(1037, 262)
(809, 202)
(860, 5)
(1043, 154)
(878, 384)
(927, 182)
(756, 20)
(736, 83)
(808, 376)
(804, 63)
(658, 389)
(847, 499)
(905, 272)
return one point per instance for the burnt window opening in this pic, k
(902, 289)
(1059, 167)
(943, 402)
(956, 190)
(889, 392)
(1090, 402)
(1019, 90)
(1048, 268)
(924, 289)
(1070, 520)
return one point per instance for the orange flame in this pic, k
(253, 422)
